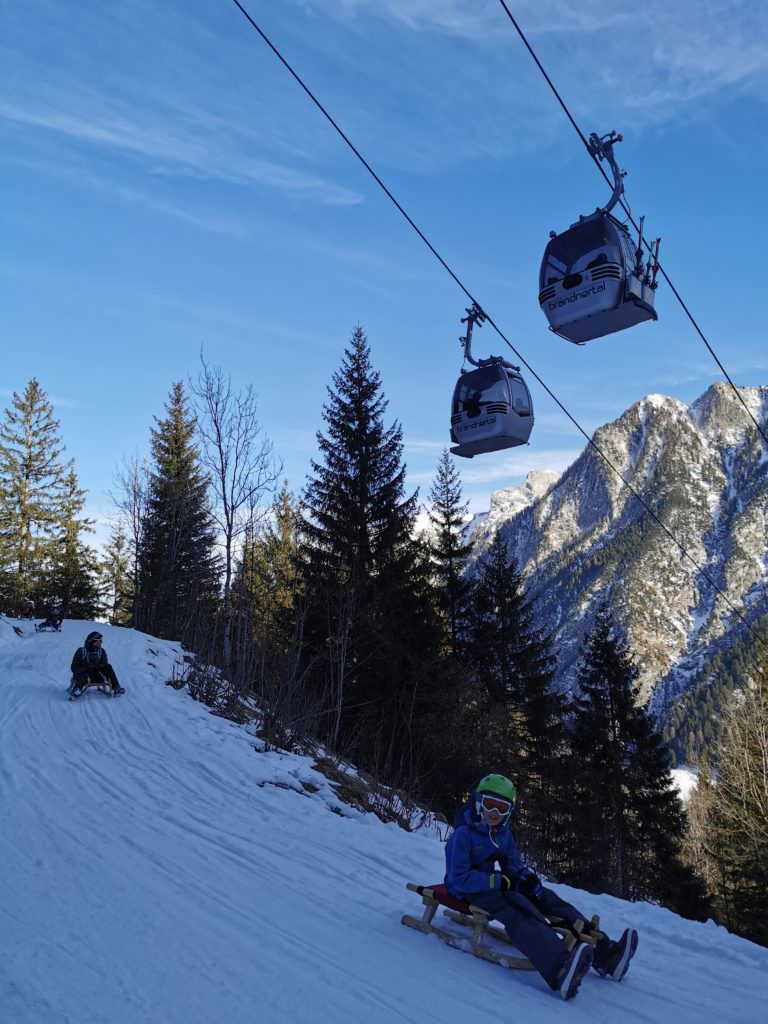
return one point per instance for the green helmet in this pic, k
(499, 785)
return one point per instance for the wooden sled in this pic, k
(434, 896)
(104, 688)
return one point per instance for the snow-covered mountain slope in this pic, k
(158, 868)
(507, 502)
(703, 470)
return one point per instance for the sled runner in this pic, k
(104, 687)
(434, 896)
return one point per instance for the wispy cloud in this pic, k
(58, 401)
(423, 446)
(169, 145)
(80, 173)
(691, 48)
(468, 18)
(502, 470)
(519, 464)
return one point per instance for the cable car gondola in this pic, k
(492, 407)
(592, 280)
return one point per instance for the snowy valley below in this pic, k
(159, 866)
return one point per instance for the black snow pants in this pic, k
(96, 677)
(527, 927)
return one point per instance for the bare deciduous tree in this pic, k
(729, 833)
(242, 466)
(130, 497)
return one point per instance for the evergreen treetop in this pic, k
(31, 487)
(357, 515)
(73, 565)
(178, 569)
(449, 550)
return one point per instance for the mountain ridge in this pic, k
(703, 470)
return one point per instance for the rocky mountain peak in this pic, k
(703, 471)
(719, 415)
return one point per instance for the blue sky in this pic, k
(166, 186)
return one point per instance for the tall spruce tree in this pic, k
(522, 714)
(178, 569)
(72, 571)
(450, 550)
(373, 634)
(31, 487)
(629, 822)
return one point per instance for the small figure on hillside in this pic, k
(53, 618)
(90, 666)
(515, 896)
(27, 609)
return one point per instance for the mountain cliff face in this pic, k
(583, 536)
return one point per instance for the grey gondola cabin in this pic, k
(491, 410)
(593, 281)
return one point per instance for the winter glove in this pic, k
(506, 883)
(529, 883)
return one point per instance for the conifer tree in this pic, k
(629, 823)
(450, 551)
(31, 485)
(523, 726)
(116, 576)
(268, 571)
(275, 563)
(373, 634)
(178, 570)
(72, 570)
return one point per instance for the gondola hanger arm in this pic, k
(475, 315)
(602, 148)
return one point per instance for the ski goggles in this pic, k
(495, 803)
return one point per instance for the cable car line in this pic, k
(478, 313)
(625, 207)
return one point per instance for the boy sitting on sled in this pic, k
(515, 896)
(90, 666)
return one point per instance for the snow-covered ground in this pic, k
(155, 867)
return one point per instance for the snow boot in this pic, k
(612, 959)
(74, 692)
(117, 690)
(573, 970)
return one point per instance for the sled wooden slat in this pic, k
(477, 920)
(480, 922)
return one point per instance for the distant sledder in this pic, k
(90, 667)
(557, 939)
(53, 619)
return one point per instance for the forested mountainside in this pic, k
(703, 470)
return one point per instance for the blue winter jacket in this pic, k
(472, 852)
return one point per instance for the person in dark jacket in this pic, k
(90, 665)
(53, 618)
(514, 895)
